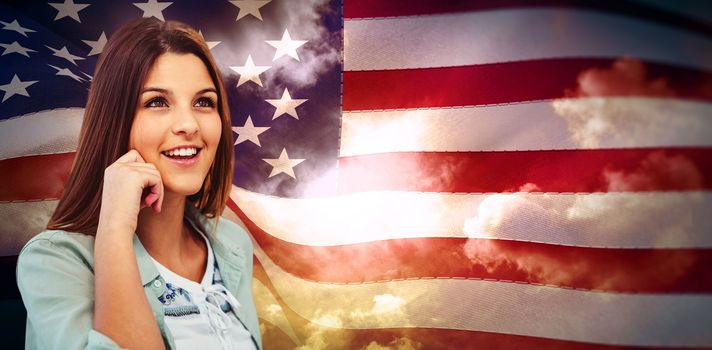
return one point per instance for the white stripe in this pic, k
(614, 220)
(513, 35)
(580, 123)
(22, 221)
(500, 307)
(45, 132)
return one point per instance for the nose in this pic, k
(184, 122)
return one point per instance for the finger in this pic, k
(130, 157)
(145, 194)
(154, 183)
(152, 187)
(149, 200)
(158, 204)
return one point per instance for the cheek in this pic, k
(212, 130)
(143, 139)
(135, 135)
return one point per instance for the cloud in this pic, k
(319, 54)
(387, 310)
(402, 343)
(305, 20)
(596, 122)
(658, 170)
(621, 107)
(327, 332)
(626, 77)
(324, 333)
(665, 218)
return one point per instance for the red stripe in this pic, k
(43, 177)
(607, 170)
(618, 270)
(433, 338)
(516, 82)
(380, 8)
(34, 177)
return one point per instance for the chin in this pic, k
(184, 189)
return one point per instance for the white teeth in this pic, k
(183, 152)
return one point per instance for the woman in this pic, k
(136, 254)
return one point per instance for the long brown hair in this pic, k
(104, 137)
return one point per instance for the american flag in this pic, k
(423, 174)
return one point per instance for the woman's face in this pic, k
(177, 110)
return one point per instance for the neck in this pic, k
(163, 234)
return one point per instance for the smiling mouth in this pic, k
(179, 157)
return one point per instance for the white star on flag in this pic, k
(16, 87)
(68, 9)
(249, 132)
(15, 47)
(64, 53)
(249, 7)
(250, 72)
(67, 73)
(286, 104)
(211, 44)
(153, 8)
(97, 46)
(283, 164)
(15, 26)
(286, 46)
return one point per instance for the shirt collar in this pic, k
(226, 251)
(146, 268)
(230, 256)
(222, 247)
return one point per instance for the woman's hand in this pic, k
(130, 184)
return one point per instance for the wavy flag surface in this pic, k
(422, 174)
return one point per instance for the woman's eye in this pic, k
(205, 102)
(156, 103)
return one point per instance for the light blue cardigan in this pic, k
(55, 275)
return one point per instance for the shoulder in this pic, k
(233, 234)
(57, 260)
(62, 237)
(60, 244)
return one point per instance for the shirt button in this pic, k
(157, 283)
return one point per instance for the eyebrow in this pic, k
(168, 92)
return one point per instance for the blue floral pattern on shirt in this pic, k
(169, 295)
(177, 301)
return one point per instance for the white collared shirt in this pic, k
(199, 315)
